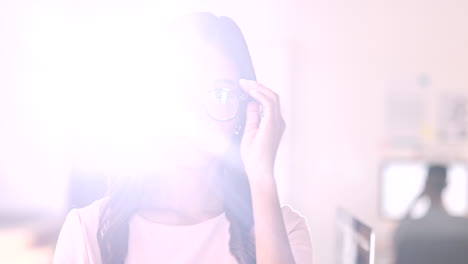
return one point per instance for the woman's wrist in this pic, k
(263, 180)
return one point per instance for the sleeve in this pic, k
(71, 245)
(298, 235)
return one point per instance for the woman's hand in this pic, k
(258, 152)
(262, 136)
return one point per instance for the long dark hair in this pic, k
(125, 195)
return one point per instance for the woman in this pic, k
(215, 178)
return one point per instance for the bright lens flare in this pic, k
(131, 99)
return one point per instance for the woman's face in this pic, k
(194, 78)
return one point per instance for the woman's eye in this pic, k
(222, 95)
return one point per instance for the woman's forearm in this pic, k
(271, 238)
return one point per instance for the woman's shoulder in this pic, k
(89, 215)
(77, 240)
(292, 218)
(84, 220)
(298, 235)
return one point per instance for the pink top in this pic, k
(149, 242)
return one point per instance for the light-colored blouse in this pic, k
(149, 242)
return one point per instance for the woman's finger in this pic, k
(252, 89)
(266, 104)
(267, 91)
(249, 85)
(252, 121)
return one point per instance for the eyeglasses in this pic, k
(223, 104)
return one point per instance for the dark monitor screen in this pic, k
(402, 181)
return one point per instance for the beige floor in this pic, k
(16, 248)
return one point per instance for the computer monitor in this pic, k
(402, 181)
(355, 241)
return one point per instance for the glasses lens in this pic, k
(222, 104)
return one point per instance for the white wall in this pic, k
(346, 54)
(31, 142)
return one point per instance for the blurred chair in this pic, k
(437, 237)
(433, 241)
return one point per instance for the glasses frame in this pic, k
(243, 98)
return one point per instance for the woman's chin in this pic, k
(192, 156)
